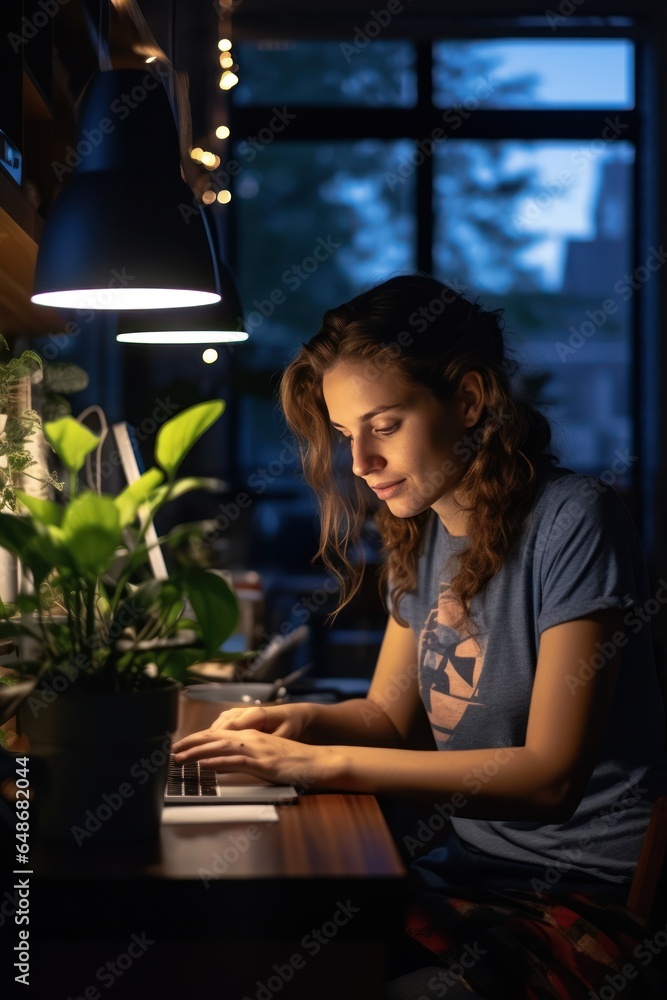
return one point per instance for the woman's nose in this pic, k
(366, 457)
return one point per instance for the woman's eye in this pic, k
(387, 430)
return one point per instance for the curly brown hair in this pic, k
(428, 333)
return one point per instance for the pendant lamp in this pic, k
(220, 323)
(125, 232)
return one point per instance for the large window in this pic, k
(505, 165)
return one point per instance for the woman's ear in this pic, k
(471, 394)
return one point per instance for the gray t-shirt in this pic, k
(578, 552)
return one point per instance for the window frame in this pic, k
(331, 123)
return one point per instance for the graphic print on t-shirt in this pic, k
(450, 666)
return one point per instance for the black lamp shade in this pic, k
(126, 231)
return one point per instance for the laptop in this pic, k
(190, 784)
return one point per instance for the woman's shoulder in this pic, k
(567, 498)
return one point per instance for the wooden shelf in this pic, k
(21, 228)
(20, 232)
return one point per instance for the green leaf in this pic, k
(71, 441)
(24, 366)
(44, 511)
(91, 529)
(214, 603)
(175, 438)
(30, 359)
(137, 493)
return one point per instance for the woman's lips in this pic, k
(387, 490)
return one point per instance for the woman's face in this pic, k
(405, 444)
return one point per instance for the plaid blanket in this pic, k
(507, 943)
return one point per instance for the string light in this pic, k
(222, 132)
(226, 61)
(209, 355)
(208, 197)
(224, 197)
(224, 44)
(228, 80)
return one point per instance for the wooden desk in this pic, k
(230, 912)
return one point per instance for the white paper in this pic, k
(220, 814)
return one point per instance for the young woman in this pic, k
(516, 593)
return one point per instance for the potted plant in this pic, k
(105, 644)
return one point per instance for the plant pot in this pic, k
(99, 762)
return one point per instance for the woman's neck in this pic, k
(453, 516)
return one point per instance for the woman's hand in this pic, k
(282, 720)
(261, 754)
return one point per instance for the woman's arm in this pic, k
(387, 717)
(541, 781)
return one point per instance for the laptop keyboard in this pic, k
(189, 779)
